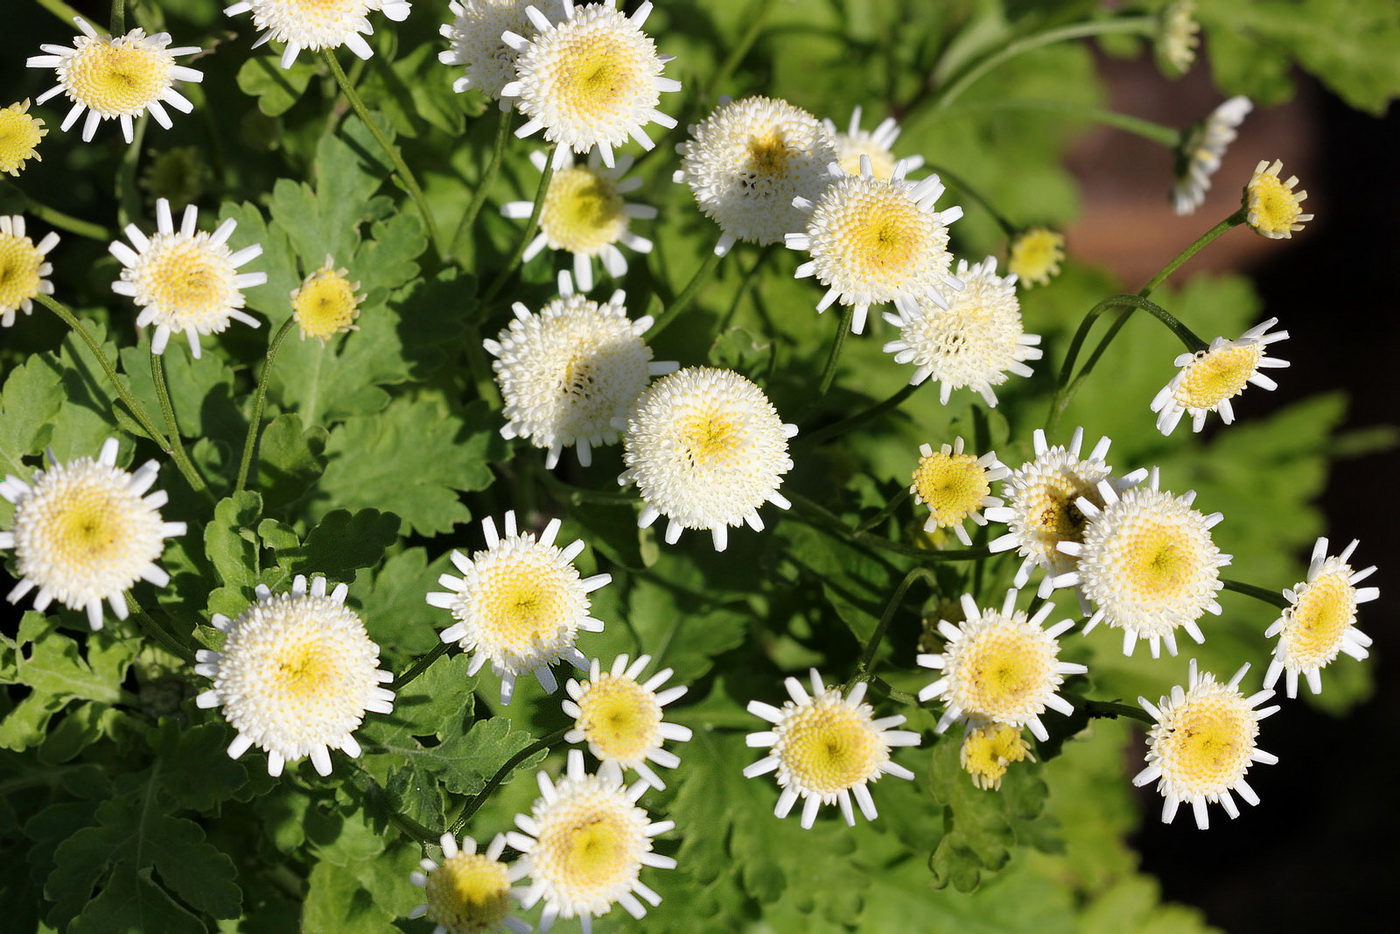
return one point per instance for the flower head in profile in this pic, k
(117, 78)
(23, 268)
(591, 79)
(826, 749)
(1202, 147)
(325, 304)
(317, 24)
(1208, 379)
(1178, 36)
(186, 279)
(296, 675)
(469, 892)
(877, 240)
(974, 343)
(475, 34)
(1272, 207)
(584, 214)
(706, 449)
(1034, 255)
(1000, 666)
(988, 748)
(1320, 621)
(1147, 563)
(956, 486)
(519, 604)
(1203, 744)
(585, 842)
(568, 373)
(748, 160)
(20, 134)
(85, 531)
(877, 144)
(620, 717)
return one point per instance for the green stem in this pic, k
(480, 797)
(56, 218)
(259, 401)
(1167, 136)
(829, 371)
(876, 637)
(960, 183)
(177, 446)
(406, 825)
(154, 631)
(745, 286)
(825, 519)
(687, 295)
(1201, 242)
(420, 666)
(899, 697)
(1271, 597)
(1112, 711)
(528, 233)
(483, 184)
(885, 512)
(62, 10)
(847, 424)
(578, 496)
(118, 17)
(405, 174)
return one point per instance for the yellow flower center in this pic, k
(523, 605)
(597, 73)
(468, 894)
(828, 747)
(1206, 742)
(1003, 668)
(881, 162)
(582, 211)
(988, 750)
(769, 155)
(1217, 375)
(619, 717)
(19, 270)
(326, 304)
(303, 669)
(711, 437)
(1325, 610)
(19, 137)
(1036, 255)
(952, 485)
(113, 77)
(187, 279)
(1273, 207)
(881, 233)
(1051, 515)
(84, 528)
(594, 849)
(1157, 562)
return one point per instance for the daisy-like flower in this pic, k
(1203, 744)
(519, 604)
(975, 342)
(296, 675)
(877, 240)
(187, 279)
(826, 748)
(1034, 255)
(1321, 621)
(584, 214)
(592, 79)
(23, 266)
(84, 532)
(1209, 379)
(1178, 36)
(878, 144)
(1201, 149)
(318, 24)
(956, 486)
(571, 372)
(1272, 207)
(620, 717)
(585, 842)
(988, 748)
(1042, 508)
(325, 304)
(476, 44)
(20, 134)
(748, 160)
(117, 78)
(469, 892)
(706, 448)
(1147, 563)
(1000, 666)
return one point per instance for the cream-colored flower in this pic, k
(1208, 379)
(877, 144)
(1035, 255)
(325, 304)
(469, 892)
(318, 24)
(1273, 208)
(23, 268)
(956, 486)
(20, 134)
(620, 717)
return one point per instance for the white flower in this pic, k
(585, 842)
(568, 373)
(877, 240)
(1000, 666)
(318, 24)
(1178, 36)
(748, 160)
(23, 267)
(1041, 510)
(826, 748)
(84, 532)
(1202, 147)
(620, 717)
(584, 214)
(185, 280)
(878, 144)
(1209, 379)
(706, 448)
(519, 604)
(469, 892)
(1203, 744)
(1034, 255)
(592, 79)
(296, 675)
(1273, 208)
(956, 486)
(117, 78)
(475, 34)
(1321, 621)
(975, 342)
(1147, 563)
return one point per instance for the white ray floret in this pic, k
(85, 531)
(1202, 147)
(519, 604)
(826, 749)
(620, 717)
(878, 144)
(469, 892)
(1208, 379)
(318, 24)
(956, 487)
(23, 268)
(475, 34)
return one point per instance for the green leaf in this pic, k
(341, 543)
(336, 903)
(391, 603)
(196, 771)
(132, 903)
(230, 542)
(276, 88)
(29, 402)
(290, 458)
(56, 667)
(201, 392)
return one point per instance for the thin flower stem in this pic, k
(1111, 711)
(878, 636)
(885, 512)
(407, 826)
(259, 402)
(483, 184)
(56, 218)
(687, 295)
(745, 286)
(1201, 242)
(899, 697)
(480, 797)
(405, 174)
(831, 522)
(1271, 597)
(154, 631)
(528, 234)
(118, 17)
(62, 10)
(1158, 133)
(843, 327)
(959, 182)
(176, 445)
(420, 666)
(855, 421)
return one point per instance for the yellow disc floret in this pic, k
(21, 278)
(1324, 611)
(619, 717)
(468, 894)
(582, 211)
(1035, 255)
(116, 77)
(1274, 209)
(326, 304)
(953, 485)
(1217, 375)
(19, 137)
(827, 747)
(988, 748)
